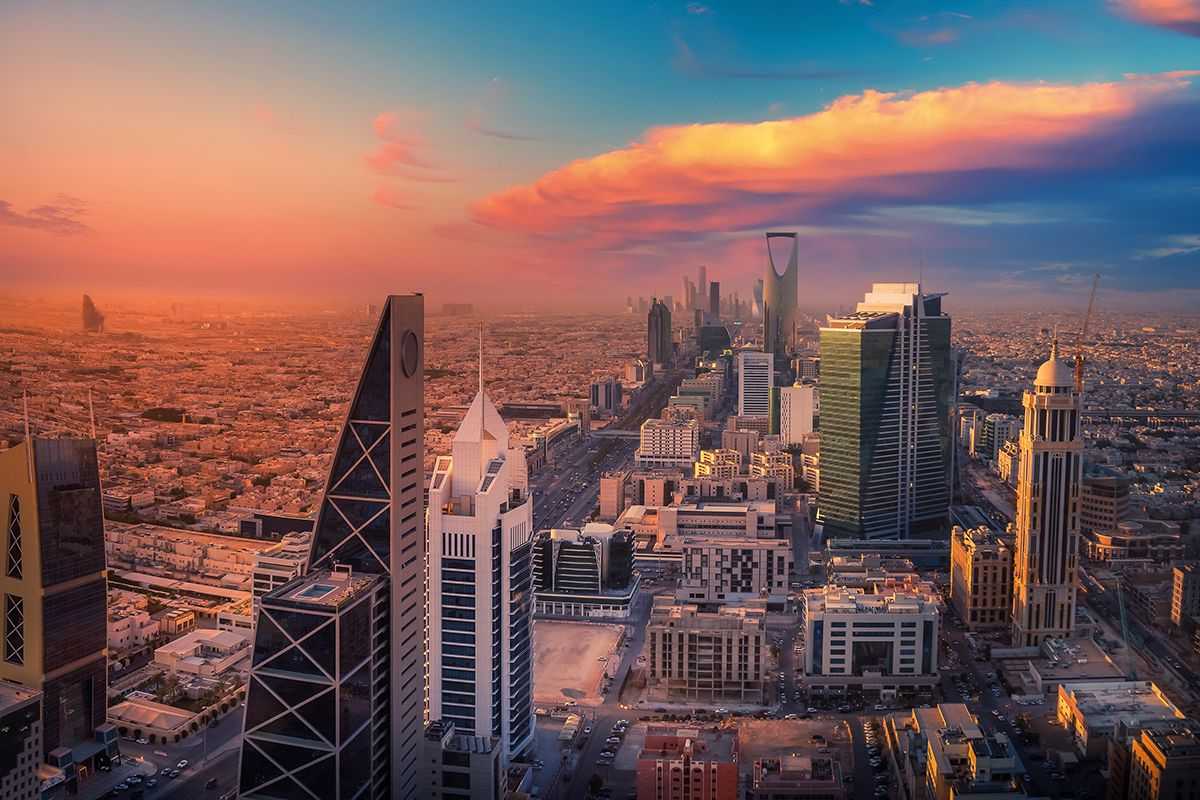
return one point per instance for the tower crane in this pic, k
(1083, 337)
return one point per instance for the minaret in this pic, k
(1047, 548)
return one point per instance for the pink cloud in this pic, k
(401, 141)
(1182, 16)
(687, 179)
(389, 198)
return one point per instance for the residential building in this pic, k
(1047, 545)
(584, 573)
(1147, 590)
(722, 570)
(797, 408)
(756, 376)
(279, 564)
(780, 315)
(883, 643)
(687, 764)
(886, 392)
(797, 777)
(612, 494)
(668, 444)
(480, 582)
(775, 466)
(1165, 763)
(743, 441)
(721, 463)
(460, 767)
(1008, 462)
(206, 653)
(962, 761)
(20, 742)
(1185, 593)
(1103, 501)
(1093, 710)
(363, 595)
(758, 424)
(698, 654)
(980, 578)
(54, 594)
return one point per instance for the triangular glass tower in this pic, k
(336, 696)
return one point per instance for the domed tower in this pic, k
(1050, 473)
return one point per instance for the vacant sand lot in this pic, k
(567, 663)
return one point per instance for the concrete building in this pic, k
(1047, 545)
(886, 392)
(20, 742)
(605, 395)
(1165, 764)
(796, 778)
(459, 767)
(760, 425)
(1185, 593)
(776, 467)
(668, 444)
(797, 408)
(279, 564)
(780, 316)
(743, 441)
(206, 653)
(365, 588)
(721, 463)
(709, 656)
(687, 764)
(612, 494)
(584, 573)
(1092, 711)
(883, 644)
(1135, 540)
(719, 570)
(53, 590)
(962, 761)
(1008, 462)
(980, 578)
(1103, 501)
(659, 347)
(756, 377)
(480, 537)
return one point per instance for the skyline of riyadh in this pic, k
(999, 151)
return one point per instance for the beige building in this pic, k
(962, 761)
(1008, 462)
(721, 463)
(1185, 593)
(668, 444)
(612, 494)
(1093, 711)
(1165, 764)
(732, 570)
(279, 564)
(775, 466)
(1103, 502)
(711, 656)
(980, 578)
(206, 653)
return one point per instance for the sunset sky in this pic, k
(534, 155)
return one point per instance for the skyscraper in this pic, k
(755, 377)
(1050, 472)
(480, 585)
(658, 334)
(714, 299)
(886, 389)
(702, 287)
(335, 702)
(756, 309)
(779, 299)
(797, 405)
(53, 591)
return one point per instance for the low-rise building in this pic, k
(776, 466)
(707, 655)
(719, 463)
(279, 564)
(687, 764)
(1093, 712)
(980, 578)
(1135, 540)
(668, 444)
(884, 643)
(204, 652)
(721, 570)
(20, 742)
(584, 573)
(962, 761)
(1103, 501)
(1165, 764)
(796, 778)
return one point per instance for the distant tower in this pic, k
(779, 300)
(1050, 473)
(757, 309)
(480, 534)
(714, 300)
(93, 320)
(702, 287)
(658, 333)
(335, 704)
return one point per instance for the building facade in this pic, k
(480, 582)
(1165, 763)
(707, 655)
(370, 526)
(668, 444)
(1103, 502)
(279, 564)
(719, 570)
(886, 391)
(1185, 593)
(721, 463)
(797, 408)
(980, 578)
(1047, 545)
(459, 767)
(756, 374)
(687, 764)
(780, 317)
(20, 742)
(584, 573)
(659, 348)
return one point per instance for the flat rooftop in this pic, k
(325, 587)
(669, 743)
(13, 694)
(1136, 703)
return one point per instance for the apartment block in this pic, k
(707, 655)
(733, 570)
(980, 578)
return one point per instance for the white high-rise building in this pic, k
(756, 372)
(1050, 472)
(797, 406)
(668, 444)
(480, 543)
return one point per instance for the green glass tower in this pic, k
(886, 392)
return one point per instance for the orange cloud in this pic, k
(400, 141)
(1178, 15)
(389, 198)
(727, 176)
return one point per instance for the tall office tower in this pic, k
(702, 287)
(756, 373)
(480, 533)
(756, 309)
(797, 406)
(336, 697)
(53, 590)
(685, 301)
(714, 299)
(886, 392)
(779, 299)
(1051, 471)
(658, 334)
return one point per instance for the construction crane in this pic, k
(1083, 337)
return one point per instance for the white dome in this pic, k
(1055, 372)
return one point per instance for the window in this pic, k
(14, 629)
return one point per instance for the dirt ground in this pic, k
(772, 738)
(567, 663)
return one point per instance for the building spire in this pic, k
(481, 358)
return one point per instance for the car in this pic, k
(122, 786)
(587, 730)
(211, 784)
(613, 740)
(134, 780)
(173, 773)
(151, 783)
(164, 771)
(143, 740)
(183, 762)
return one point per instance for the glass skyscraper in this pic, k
(336, 697)
(886, 391)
